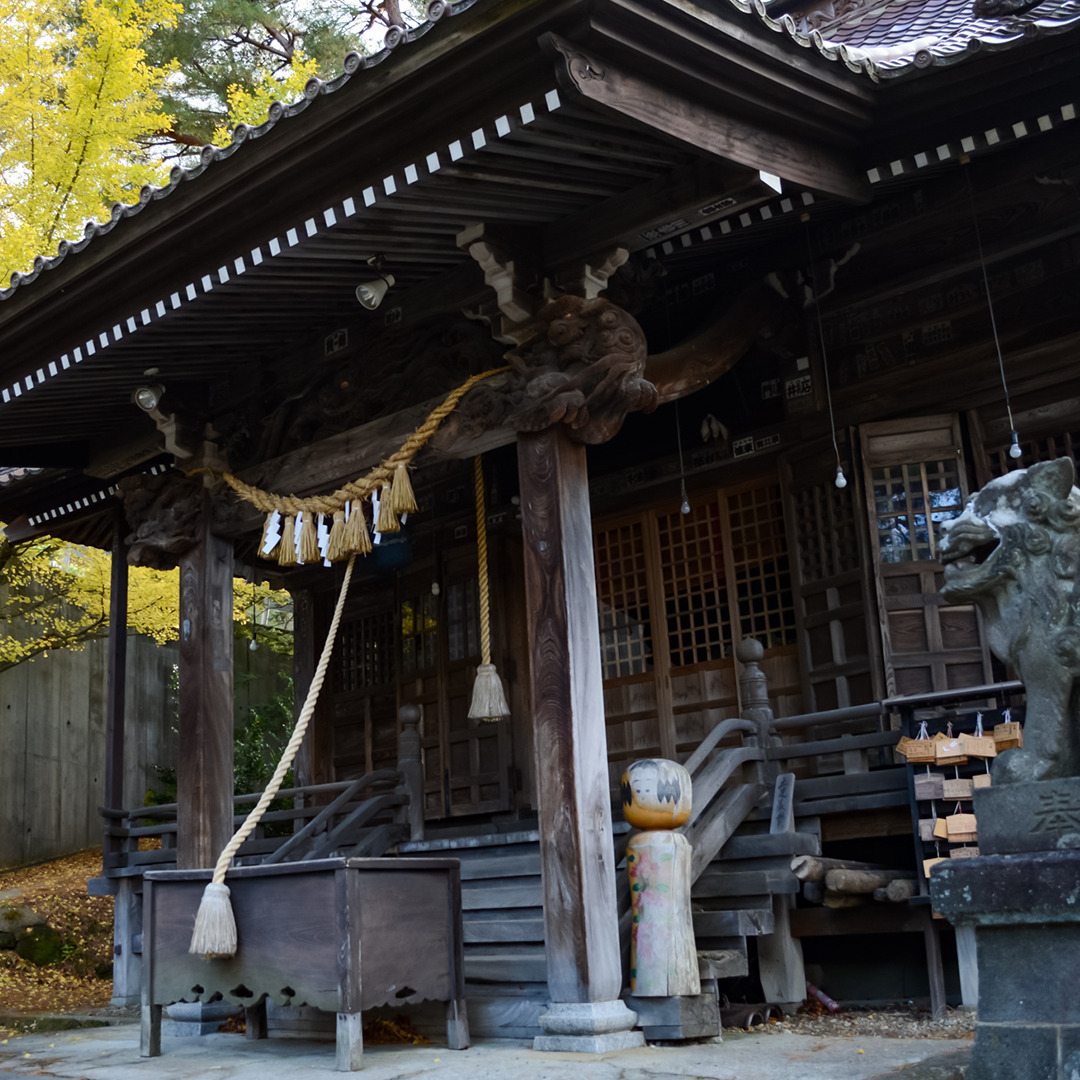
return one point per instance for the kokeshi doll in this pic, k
(656, 797)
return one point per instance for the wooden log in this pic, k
(901, 890)
(862, 881)
(815, 867)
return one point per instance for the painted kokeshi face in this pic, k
(656, 794)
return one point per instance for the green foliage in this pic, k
(260, 738)
(235, 57)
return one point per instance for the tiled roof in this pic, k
(209, 155)
(891, 38)
(12, 476)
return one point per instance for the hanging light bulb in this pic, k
(685, 507)
(841, 479)
(1014, 451)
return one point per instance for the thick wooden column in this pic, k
(580, 910)
(205, 768)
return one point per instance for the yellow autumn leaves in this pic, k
(76, 94)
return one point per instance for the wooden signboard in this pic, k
(982, 746)
(961, 828)
(929, 786)
(957, 789)
(949, 752)
(1008, 735)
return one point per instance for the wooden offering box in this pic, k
(341, 935)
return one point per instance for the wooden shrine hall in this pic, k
(758, 285)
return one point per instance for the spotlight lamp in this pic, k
(370, 293)
(148, 397)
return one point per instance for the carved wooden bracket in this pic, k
(507, 277)
(584, 367)
(163, 513)
(589, 278)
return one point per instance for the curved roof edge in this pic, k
(209, 155)
(924, 46)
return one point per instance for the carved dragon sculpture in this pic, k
(1015, 553)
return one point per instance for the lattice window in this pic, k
(1047, 448)
(419, 635)
(911, 502)
(462, 628)
(364, 656)
(623, 601)
(695, 600)
(825, 531)
(759, 563)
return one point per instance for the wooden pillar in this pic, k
(581, 927)
(205, 768)
(117, 680)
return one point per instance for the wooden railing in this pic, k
(365, 816)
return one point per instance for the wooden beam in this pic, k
(702, 127)
(205, 769)
(580, 909)
(647, 214)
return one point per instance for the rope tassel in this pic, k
(488, 697)
(215, 925)
(402, 499)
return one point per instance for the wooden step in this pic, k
(722, 963)
(718, 882)
(487, 895)
(502, 929)
(737, 922)
(513, 964)
(770, 844)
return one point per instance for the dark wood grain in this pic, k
(580, 912)
(705, 128)
(205, 767)
(342, 935)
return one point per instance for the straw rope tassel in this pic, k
(488, 697)
(215, 927)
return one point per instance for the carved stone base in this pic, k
(189, 1018)
(1027, 931)
(588, 1027)
(1041, 816)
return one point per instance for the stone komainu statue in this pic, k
(1015, 553)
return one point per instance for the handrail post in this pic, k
(412, 770)
(754, 688)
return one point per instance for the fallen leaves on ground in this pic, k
(57, 892)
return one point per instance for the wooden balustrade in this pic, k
(387, 804)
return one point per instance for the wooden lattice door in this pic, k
(915, 480)
(833, 581)
(364, 691)
(675, 593)
(466, 762)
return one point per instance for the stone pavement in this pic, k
(112, 1053)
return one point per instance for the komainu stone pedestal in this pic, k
(1025, 909)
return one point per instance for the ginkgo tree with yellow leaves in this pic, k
(77, 96)
(55, 595)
